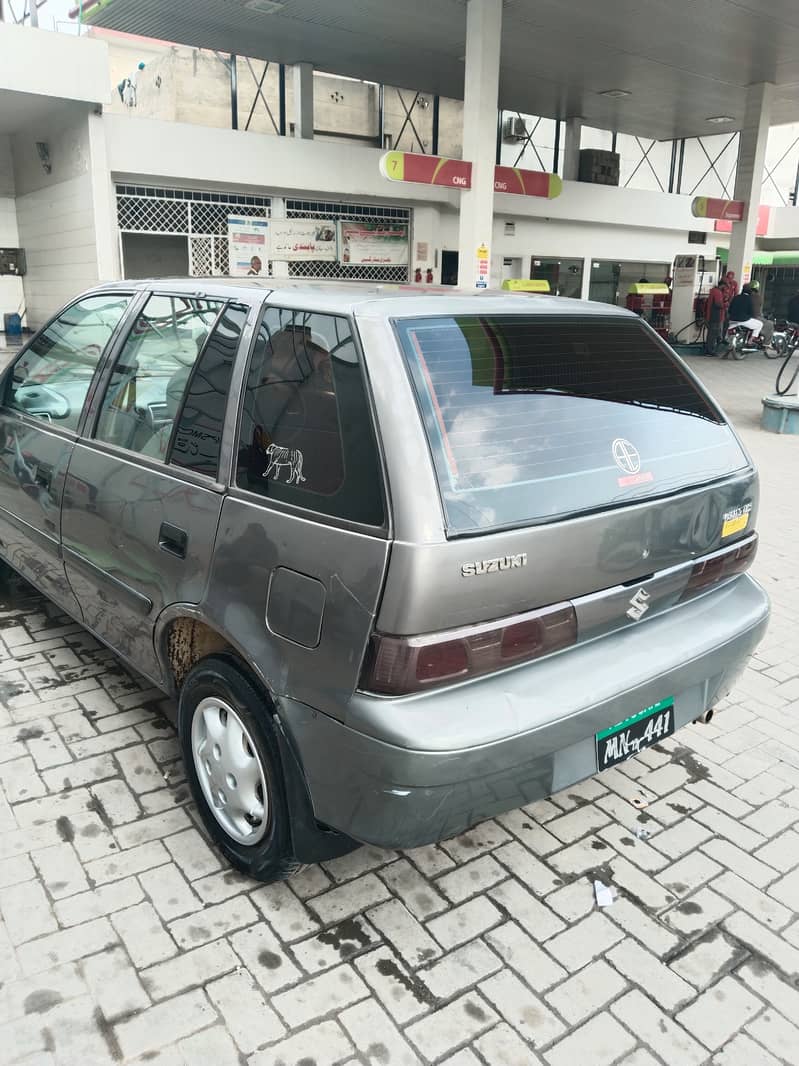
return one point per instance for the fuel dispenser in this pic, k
(692, 278)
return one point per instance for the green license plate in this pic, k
(634, 734)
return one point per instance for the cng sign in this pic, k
(457, 174)
(426, 169)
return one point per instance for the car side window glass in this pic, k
(152, 371)
(198, 434)
(306, 433)
(52, 376)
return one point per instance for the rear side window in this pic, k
(306, 434)
(534, 418)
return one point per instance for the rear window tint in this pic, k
(534, 418)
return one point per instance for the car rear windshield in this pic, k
(532, 418)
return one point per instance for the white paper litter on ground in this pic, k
(604, 895)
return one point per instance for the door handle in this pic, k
(173, 539)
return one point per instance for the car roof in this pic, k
(374, 299)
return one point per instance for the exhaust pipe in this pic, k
(705, 718)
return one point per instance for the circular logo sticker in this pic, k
(625, 456)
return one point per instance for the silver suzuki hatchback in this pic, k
(406, 560)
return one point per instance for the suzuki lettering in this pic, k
(493, 566)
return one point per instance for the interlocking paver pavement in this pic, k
(124, 938)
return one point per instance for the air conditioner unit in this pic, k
(515, 129)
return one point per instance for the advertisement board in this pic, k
(373, 243)
(248, 246)
(294, 240)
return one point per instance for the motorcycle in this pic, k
(740, 342)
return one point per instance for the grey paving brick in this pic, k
(655, 1029)
(376, 1037)
(704, 909)
(99, 902)
(759, 905)
(467, 921)
(424, 900)
(588, 991)
(26, 912)
(408, 937)
(533, 873)
(192, 855)
(460, 969)
(582, 942)
(402, 993)
(66, 946)
(527, 828)
(743, 1049)
(213, 922)
(325, 1044)
(114, 983)
(329, 991)
(761, 940)
(116, 801)
(642, 968)
(164, 1023)
(156, 827)
(289, 918)
(717, 1015)
(27, 996)
(452, 1026)
(335, 944)
(169, 892)
(776, 1034)
(124, 863)
(144, 935)
(600, 1041)
(469, 845)
(707, 959)
(532, 963)
(265, 957)
(515, 901)
(189, 969)
(349, 899)
(249, 1019)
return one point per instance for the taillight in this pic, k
(400, 665)
(721, 565)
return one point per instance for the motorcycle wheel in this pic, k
(737, 348)
(778, 347)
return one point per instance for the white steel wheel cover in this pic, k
(229, 770)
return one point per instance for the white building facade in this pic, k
(93, 189)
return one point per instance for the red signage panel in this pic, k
(426, 170)
(763, 215)
(708, 207)
(527, 182)
(457, 174)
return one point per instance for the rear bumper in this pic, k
(392, 795)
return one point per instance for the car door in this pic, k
(43, 395)
(142, 497)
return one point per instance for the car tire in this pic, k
(233, 765)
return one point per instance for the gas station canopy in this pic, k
(645, 67)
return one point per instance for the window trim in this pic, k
(32, 420)
(384, 530)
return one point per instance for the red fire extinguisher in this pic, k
(429, 276)
(417, 274)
